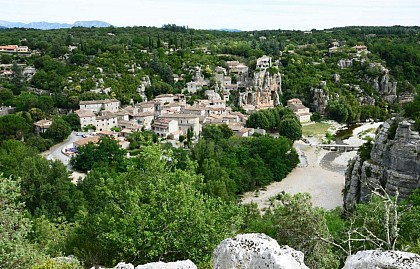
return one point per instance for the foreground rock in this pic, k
(170, 265)
(393, 165)
(156, 265)
(255, 251)
(372, 259)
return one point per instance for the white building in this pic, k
(165, 127)
(95, 106)
(185, 122)
(264, 62)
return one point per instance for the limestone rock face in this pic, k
(155, 265)
(256, 251)
(394, 165)
(383, 84)
(345, 63)
(123, 265)
(321, 99)
(372, 259)
(170, 265)
(264, 91)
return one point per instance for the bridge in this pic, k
(338, 147)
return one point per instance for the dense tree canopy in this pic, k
(156, 214)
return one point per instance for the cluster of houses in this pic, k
(168, 115)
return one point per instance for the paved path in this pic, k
(55, 152)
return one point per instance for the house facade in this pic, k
(301, 111)
(95, 106)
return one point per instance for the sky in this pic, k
(217, 14)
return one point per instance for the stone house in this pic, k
(42, 126)
(96, 106)
(106, 121)
(301, 111)
(165, 98)
(264, 62)
(185, 122)
(164, 127)
(144, 118)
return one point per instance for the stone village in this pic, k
(170, 117)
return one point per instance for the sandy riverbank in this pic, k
(322, 177)
(324, 186)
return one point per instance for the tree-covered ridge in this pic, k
(119, 58)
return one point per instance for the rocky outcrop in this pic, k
(255, 251)
(394, 165)
(170, 265)
(320, 98)
(155, 265)
(371, 259)
(263, 92)
(383, 84)
(345, 63)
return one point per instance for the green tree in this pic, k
(15, 249)
(290, 128)
(12, 152)
(6, 96)
(59, 130)
(294, 222)
(18, 81)
(337, 111)
(73, 120)
(107, 153)
(216, 132)
(14, 126)
(151, 213)
(46, 187)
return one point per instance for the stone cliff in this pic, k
(394, 164)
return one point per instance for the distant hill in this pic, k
(230, 30)
(48, 25)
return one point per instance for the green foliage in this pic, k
(216, 132)
(161, 216)
(15, 249)
(14, 126)
(316, 117)
(51, 235)
(41, 144)
(59, 130)
(12, 152)
(412, 111)
(235, 165)
(294, 222)
(46, 188)
(58, 264)
(107, 153)
(140, 139)
(392, 131)
(6, 97)
(337, 111)
(291, 128)
(365, 149)
(269, 119)
(73, 120)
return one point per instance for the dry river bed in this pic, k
(321, 174)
